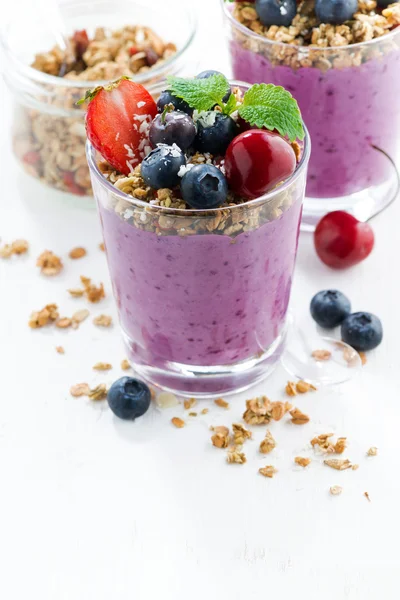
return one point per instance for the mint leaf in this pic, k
(273, 107)
(230, 106)
(200, 94)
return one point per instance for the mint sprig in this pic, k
(200, 94)
(272, 107)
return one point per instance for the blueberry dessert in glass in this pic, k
(341, 61)
(199, 186)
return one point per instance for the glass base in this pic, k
(204, 382)
(363, 205)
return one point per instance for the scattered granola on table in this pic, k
(102, 366)
(92, 292)
(221, 403)
(102, 321)
(98, 393)
(16, 247)
(49, 263)
(267, 444)
(302, 387)
(60, 350)
(125, 364)
(338, 464)
(268, 471)
(298, 417)
(49, 314)
(77, 252)
(336, 490)
(177, 422)
(234, 455)
(373, 451)
(321, 355)
(220, 437)
(80, 389)
(240, 434)
(302, 461)
(189, 403)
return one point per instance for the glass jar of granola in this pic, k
(107, 39)
(202, 294)
(346, 80)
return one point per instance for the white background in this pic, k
(95, 508)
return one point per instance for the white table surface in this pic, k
(95, 508)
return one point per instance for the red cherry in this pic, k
(342, 241)
(256, 161)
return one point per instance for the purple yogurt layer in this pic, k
(346, 112)
(201, 299)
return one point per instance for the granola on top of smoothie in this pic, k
(176, 156)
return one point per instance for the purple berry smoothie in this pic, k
(203, 299)
(346, 110)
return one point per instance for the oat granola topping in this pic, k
(177, 422)
(63, 323)
(99, 392)
(80, 389)
(302, 461)
(373, 451)
(49, 263)
(220, 437)
(60, 350)
(78, 317)
(267, 444)
(77, 253)
(336, 490)
(17, 247)
(268, 471)
(258, 411)
(291, 388)
(103, 321)
(324, 442)
(125, 365)
(92, 292)
(189, 403)
(234, 455)
(303, 386)
(102, 366)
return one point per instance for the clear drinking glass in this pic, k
(202, 295)
(48, 129)
(349, 99)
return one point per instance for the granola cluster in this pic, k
(52, 147)
(306, 31)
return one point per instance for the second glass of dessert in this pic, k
(200, 201)
(105, 40)
(341, 61)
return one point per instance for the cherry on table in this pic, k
(342, 241)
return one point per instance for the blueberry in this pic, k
(167, 98)
(335, 12)
(204, 186)
(363, 331)
(129, 398)
(215, 132)
(160, 168)
(174, 127)
(329, 308)
(276, 12)
(209, 73)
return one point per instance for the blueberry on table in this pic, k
(160, 168)
(335, 12)
(174, 127)
(215, 132)
(363, 331)
(204, 186)
(276, 12)
(329, 308)
(209, 73)
(129, 398)
(167, 98)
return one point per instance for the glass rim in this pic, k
(62, 82)
(302, 49)
(265, 198)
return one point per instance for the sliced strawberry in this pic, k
(71, 185)
(117, 123)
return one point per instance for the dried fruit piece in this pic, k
(290, 388)
(49, 263)
(221, 403)
(99, 392)
(220, 438)
(298, 417)
(103, 321)
(125, 364)
(268, 471)
(321, 354)
(240, 434)
(102, 366)
(268, 443)
(234, 455)
(338, 463)
(77, 253)
(80, 389)
(177, 422)
(373, 451)
(302, 461)
(335, 490)
(189, 403)
(47, 315)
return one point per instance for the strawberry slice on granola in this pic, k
(117, 123)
